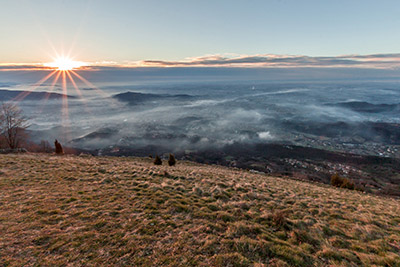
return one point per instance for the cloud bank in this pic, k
(286, 61)
(375, 61)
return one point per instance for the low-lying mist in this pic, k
(195, 116)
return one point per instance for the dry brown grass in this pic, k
(78, 211)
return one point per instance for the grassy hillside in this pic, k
(76, 211)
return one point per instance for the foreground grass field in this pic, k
(83, 211)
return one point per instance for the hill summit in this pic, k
(71, 210)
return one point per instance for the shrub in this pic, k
(157, 160)
(59, 148)
(171, 160)
(336, 180)
(341, 182)
(347, 184)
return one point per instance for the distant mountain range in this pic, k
(6, 95)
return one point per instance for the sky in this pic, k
(125, 31)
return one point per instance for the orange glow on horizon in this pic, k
(63, 71)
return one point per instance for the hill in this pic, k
(79, 211)
(7, 95)
(134, 98)
(367, 107)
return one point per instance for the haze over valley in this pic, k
(195, 119)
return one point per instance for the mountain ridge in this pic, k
(6, 95)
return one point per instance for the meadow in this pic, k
(96, 211)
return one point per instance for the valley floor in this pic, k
(79, 211)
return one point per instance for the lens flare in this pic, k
(62, 70)
(65, 64)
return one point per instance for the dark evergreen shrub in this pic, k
(59, 148)
(157, 160)
(171, 160)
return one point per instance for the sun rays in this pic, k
(63, 72)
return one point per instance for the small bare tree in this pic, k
(44, 146)
(13, 125)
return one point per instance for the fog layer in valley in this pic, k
(184, 115)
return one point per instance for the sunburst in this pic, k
(65, 64)
(63, 70)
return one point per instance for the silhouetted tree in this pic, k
(59, 148)
(171, 160)
(13, 125)
(157, 160)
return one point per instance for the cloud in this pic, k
(377, 61)
(369, 61)
(21, 66)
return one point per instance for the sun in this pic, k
(64, 71)
(65, 64)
